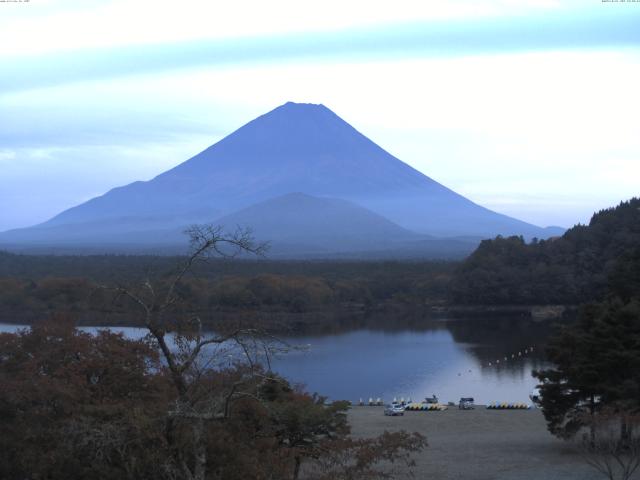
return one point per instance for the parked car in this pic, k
(466, 403)
(393, 410)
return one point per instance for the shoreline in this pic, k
(361, 317)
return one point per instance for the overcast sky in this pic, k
(527, 107)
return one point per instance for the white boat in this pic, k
(535, 396)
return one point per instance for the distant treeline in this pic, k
(33, 287)
(127, 267)
(580, 266)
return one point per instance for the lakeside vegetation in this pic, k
(75, 405)
(81, 406)
(33, 287)
(591, 393)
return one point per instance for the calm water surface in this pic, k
(449, 359)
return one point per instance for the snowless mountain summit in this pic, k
(301, 148)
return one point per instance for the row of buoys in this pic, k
(425, 407)
(508, 406)
(513, 356)
(378, 401)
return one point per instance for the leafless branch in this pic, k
(612, 445)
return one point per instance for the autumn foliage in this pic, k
(79, 406)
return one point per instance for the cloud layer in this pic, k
(529, 110)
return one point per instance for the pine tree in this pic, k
(597, 365)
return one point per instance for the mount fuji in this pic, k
(304, 178)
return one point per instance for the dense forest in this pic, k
(33, 287)
(592, 383)
(569, 270)
(575, 268)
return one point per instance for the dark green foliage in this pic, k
(597, 365)
(122, 268)
(625, 275)
(575, 268)
(34, 287)
(596, 360)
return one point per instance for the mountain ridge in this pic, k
(303, 148)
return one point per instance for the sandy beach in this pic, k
(481, 444)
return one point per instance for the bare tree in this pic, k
(188, 350)
(203, 395)
(612, 445)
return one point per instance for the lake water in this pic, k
(450, 359)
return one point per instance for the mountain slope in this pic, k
(295, 225)
(300, 225)
(313, 224)
(294, 148)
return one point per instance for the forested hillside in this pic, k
(578, 267)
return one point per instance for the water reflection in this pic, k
(387, 359)
(450, 359)
(503, 344)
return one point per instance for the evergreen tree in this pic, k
(597, 365)
(570, 270)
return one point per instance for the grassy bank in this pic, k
(480, 444)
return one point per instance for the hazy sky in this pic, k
(527, 107)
